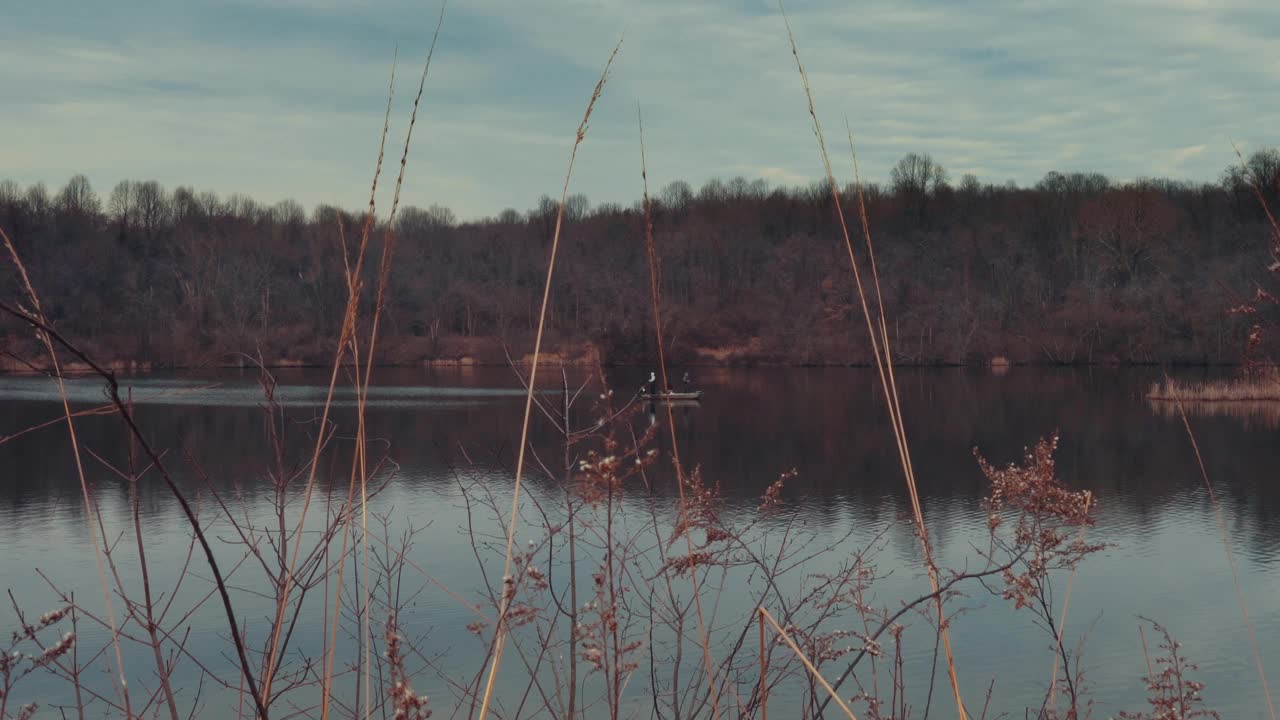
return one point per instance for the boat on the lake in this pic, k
(694, 395)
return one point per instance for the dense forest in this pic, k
(1075, 269)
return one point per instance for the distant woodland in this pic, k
(1075, 269)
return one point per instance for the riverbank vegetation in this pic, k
(1259, 386)
(1077, 268)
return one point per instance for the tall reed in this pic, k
(655, 293)
(499, 643)
(878, 335)
(1225, 534)
(36, 313)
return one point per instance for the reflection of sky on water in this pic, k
(183, 392)
(1165, 558)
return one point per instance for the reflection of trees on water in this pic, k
(753, 425)
(1263, 414)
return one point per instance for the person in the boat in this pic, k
(685, 381)
(653, 383)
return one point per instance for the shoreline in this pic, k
(10, 367)
(23, 356)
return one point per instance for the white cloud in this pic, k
(1003, 88)
(1179, 157)
(777, 175)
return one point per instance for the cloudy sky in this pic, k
(284, 98)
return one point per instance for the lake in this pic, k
(450, 438)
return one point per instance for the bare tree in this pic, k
(123, 205)
(441, 216)
(153, 206)
(676, 196)
(1128, 228)
(10, 192)
(917, 178)
(37, 198)
(918, 174)
(78, 197)
(576, 207)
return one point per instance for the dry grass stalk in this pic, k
(1171, 693)
(348, 343)
(808, 664)
(499, 642)
(53, 338)
(406, 704)
(764, 675)
(1066, 605)
(1231, 561)
(363, 392)
(273, 653)
(656, 295)
(384, 271)
(359, 471)
(37, 313)
(345, 335)
(15, 665)
(1031, 515)
(879, 338)
(1260, 386)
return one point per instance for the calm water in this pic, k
(445, 430)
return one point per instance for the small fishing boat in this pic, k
(693, 396)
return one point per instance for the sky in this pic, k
(284, 99)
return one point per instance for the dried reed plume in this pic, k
(1171, 694)
(406, 704)
(345, 335)
(347, 341)
(879, 338)
(656, 294)
(384, 270)
(499, 641)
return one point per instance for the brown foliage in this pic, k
(742, 267)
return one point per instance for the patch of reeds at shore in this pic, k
(1255, 387)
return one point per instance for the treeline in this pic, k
(1075, 269)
